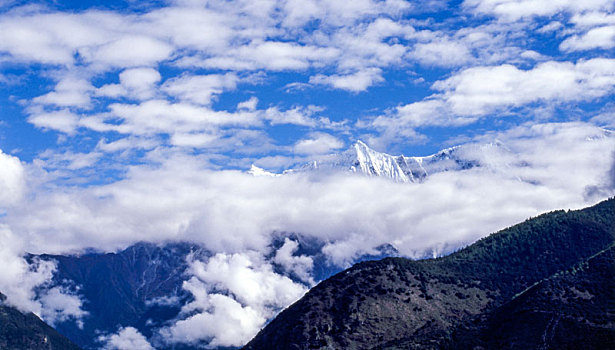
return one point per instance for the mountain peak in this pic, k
(256, 171)
(361, 159)
(360, 144)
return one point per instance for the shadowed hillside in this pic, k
(459, 301)
(27, 331)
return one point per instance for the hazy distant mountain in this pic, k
(125, 288)
(141, 286)
(546, 283)
(361, 159)
(26, 331)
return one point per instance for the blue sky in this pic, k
(344, 70)
(126, 121)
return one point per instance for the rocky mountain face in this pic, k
(20, 330)
(133, 288)
(141, 286)
(546, 283)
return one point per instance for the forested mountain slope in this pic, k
(458, 301)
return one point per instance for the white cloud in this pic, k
(443, 53)
(224, 35)
(200, 89)
(138, 83)
(43, 37)
(69, 92)
(516, 9)
(227, 323)
(182, 200)
(59, 305)
(550, 27)
(12, 179)
(271, 55)
(252, 281)
(593, 19)
(68, 160)
(479, 92)
(248, 105)
(127, 338)
(162, 116)
(301, 266)
(197, 140)
(129, 51)
(335, 13)
(599, 37)
(354, 82)
(317, 143)
(605, 118)
(62, 120)
(296, 116)
(255, 294)
(21, 279)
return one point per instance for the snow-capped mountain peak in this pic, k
(256, 171)
(361, 159)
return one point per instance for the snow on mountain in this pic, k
(361, 159)
(256, 171)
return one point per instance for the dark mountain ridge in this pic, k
(20, 330)
(123, 289)
(456, 301)
(141, 286)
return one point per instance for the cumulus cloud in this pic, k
(600, 37)
(514, 9)
(12, 179)
(127, 338)
(300, 266)
(354, 82)
(200, 89)
(69, 92)
(480, 92)
(60, 304)
(226, 323)
(62, 120)
(253, 294)
(318, 143)
(138, 83)
(444, 53)
(129, 51)
(20, 280)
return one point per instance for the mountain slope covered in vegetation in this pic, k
(460, 301)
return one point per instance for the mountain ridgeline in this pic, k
(141, 286)
(129, 288)
(547, 283)
(361, 159)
